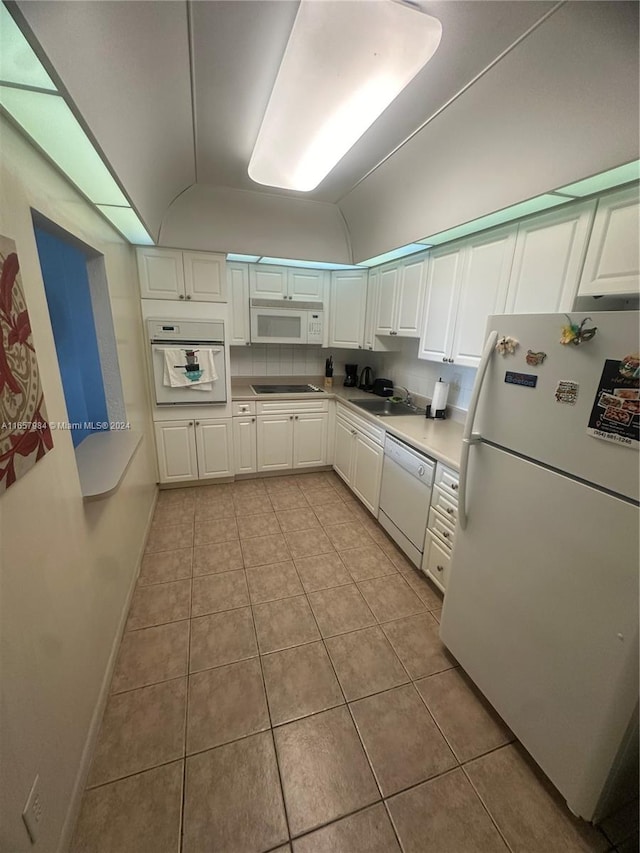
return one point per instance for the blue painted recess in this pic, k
(66, 283)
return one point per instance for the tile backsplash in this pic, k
(295, 360)
(403, 367)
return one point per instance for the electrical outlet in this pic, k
(32, 814)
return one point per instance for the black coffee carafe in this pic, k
(351, 375)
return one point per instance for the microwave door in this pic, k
(278, 327)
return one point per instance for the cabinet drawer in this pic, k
(243, 407)
(436, 561)
(447, 479)
(296, 407)
(439, 525)
(445, 504)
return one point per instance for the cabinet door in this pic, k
(486, 268)
(238, 284)
(441, 302)
(387, 292)
(275, 442)
(205, 278)
(371, 310)
(268, 282)
(176, 447)
(367, 471)
(310, 440)
(161, 273)
(214, 443)
(244, 445)
(410, 298)
(548, 259)
(348, 305)
(612, 265)
(307, 285)
(343, 449)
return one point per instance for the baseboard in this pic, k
(96, 720)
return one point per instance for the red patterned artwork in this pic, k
(24, 430)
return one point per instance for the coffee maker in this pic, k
(351, 375)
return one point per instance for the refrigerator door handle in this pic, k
(470, 437)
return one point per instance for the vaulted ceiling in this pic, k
(174, 93)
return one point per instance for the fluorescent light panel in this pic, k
(249, 259)
(344, 63)
(128, 224)
(316, 265)
(394, 254)
(18, 62)
(604, 181)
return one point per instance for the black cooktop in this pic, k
(286, 389)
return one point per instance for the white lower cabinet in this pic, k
(358, 455)
(244, 445)
(443, 516)
(194, 450)
(291, 435)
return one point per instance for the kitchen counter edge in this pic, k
(442, 440)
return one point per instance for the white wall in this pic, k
(561, 106)
(66, 567)
(220, 219)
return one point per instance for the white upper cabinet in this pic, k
(441, 301)
(173, 274)
(548, 259)
(486, 266)
(238, 286)
(386, 303)
(305, 285)
(612, 265)
(410, 297)
(348, 306)
(204, 277)
(465, 285)
(400, 297)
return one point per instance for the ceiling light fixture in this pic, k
(344, 63)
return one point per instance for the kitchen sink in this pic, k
(385, 408)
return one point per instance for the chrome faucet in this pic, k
(408, 399)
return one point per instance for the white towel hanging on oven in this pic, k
(176, 374)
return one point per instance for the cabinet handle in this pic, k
(253, 420)
(197, 423)
(454, 486)
(359, 346)
(290, 417)
(188, 296)
(284, 296)
(440, 568)
(450, 511)
(247, 343)
(445, 534)
(369, 347)
(450, 360)
(291, 297)
(445, 358)
(353, 432)
(181, 296)
(190, 423)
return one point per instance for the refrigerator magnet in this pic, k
(507, 345)
(576, 335)
(615, 415)
(567, 392)
(535, 358)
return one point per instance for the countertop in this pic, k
(442, 439)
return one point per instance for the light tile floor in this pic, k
(281, 687)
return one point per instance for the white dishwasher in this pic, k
(405, 496)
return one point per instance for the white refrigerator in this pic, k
(541, 608)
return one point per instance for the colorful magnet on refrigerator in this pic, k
(507, 345)
(573, 334)
(535, 358)
(567, 392)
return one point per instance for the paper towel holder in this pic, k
(441, 412)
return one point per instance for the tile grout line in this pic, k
(186, 720)
(266, 699)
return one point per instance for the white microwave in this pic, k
(293, 323)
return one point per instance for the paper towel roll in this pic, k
(440, 394)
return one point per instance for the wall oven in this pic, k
(187, 362)
(293, 323)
